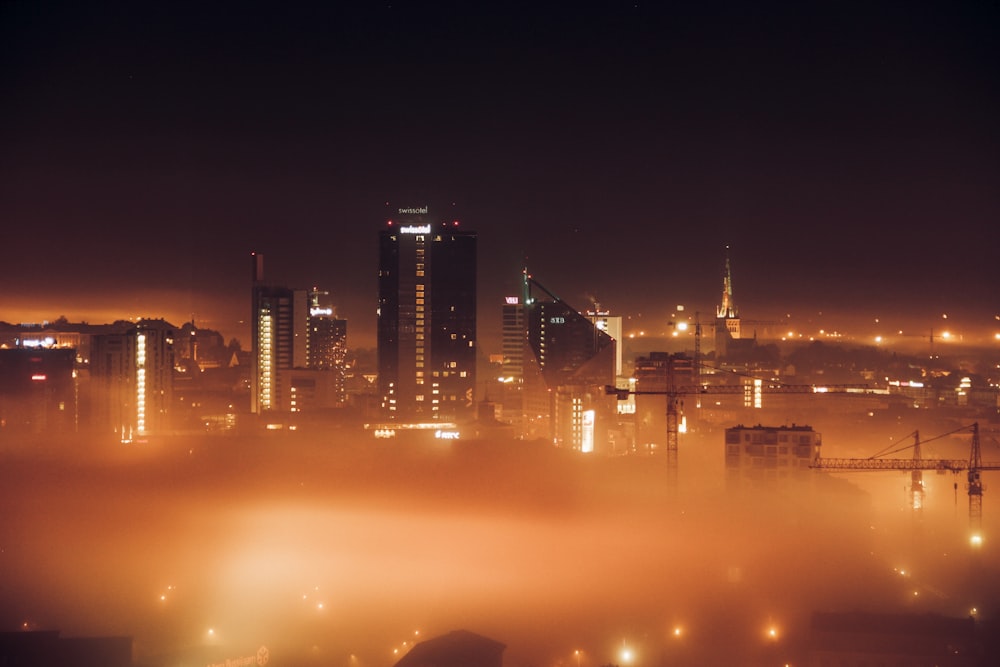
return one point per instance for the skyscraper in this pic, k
(567, 365)
(280, 334)
(426, 318)
(328, 344)
(509, 390)
(132, 379)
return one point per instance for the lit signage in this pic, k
(48, 341)
(557, 320)
(260, 659)
(415, 229)
(414, 210)
(446, 435)
(38, 377)
(587, 440)
(382, 433)
(319, 311)
(511, 300)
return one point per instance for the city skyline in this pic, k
(845, 154)
(646, 462)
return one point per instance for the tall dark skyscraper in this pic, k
(568, 362)
(426, 318)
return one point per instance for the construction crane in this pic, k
(974, 466)
(751, 389)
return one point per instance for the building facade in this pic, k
(426, 319)
(38, 391)
(568, 363)
(280, 337)
(131, 380)
(328, 348)
(660, 372)
(509, 390)
(770, 453)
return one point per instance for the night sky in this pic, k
(848, 153)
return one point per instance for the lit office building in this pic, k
(131, 381)
(426, 319)
(325, 385)
(280, 336)
(513, 341)
(569, 363)
(509, 388)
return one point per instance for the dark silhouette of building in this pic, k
(459, 648)
(658, 372)
(426, 319)
(925, 640)
(568, 362)
(38, 391)
(47, 649)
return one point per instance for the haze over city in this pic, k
(835, 164)
(846, 153)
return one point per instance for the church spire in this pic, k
(727, 309)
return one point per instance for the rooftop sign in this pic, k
(413, 210)
(415, 229)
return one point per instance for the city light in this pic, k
(582, 491)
